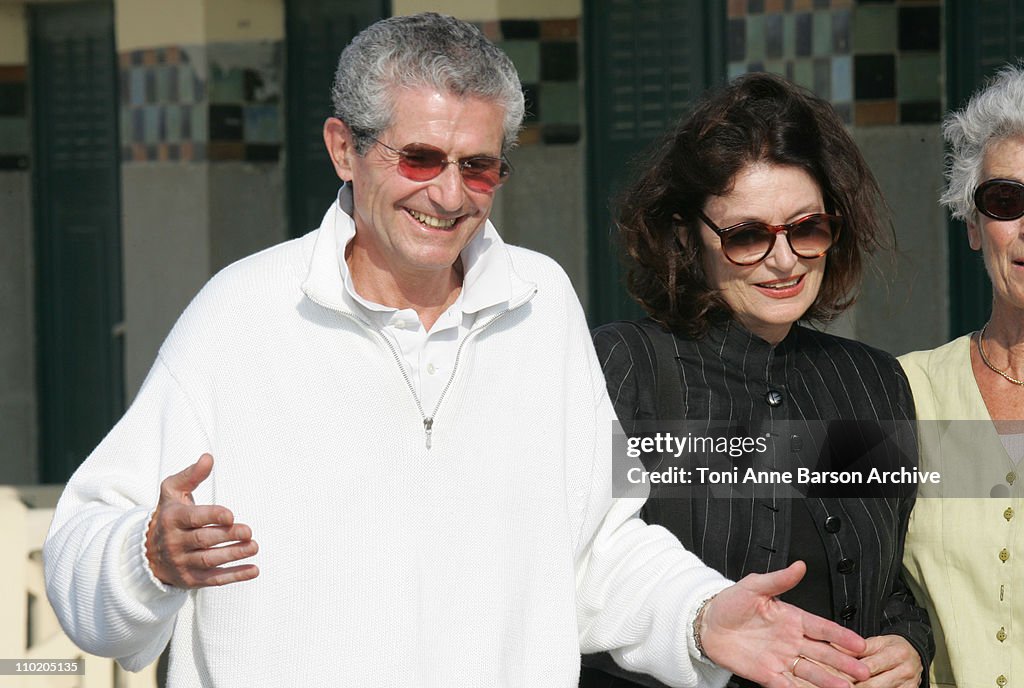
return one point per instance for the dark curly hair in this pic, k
(757, 118)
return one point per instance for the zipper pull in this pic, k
(428, 428)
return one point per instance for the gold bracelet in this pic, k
(698, 617)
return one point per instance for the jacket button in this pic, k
(1001, 634)
(1004, 554)
(833, 524)
(773, 397)
(846, 566)
(1000, 680)
(849, 611)
(1008, 514)
(796, 443)
(1011, 477)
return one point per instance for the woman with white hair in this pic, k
(961, 554)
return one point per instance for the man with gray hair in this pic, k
(409, 416)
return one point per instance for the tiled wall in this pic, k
(546, 54)
(877, 61)
(14, 145)
(196, 103)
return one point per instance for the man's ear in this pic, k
(974, 234)
(340, 146)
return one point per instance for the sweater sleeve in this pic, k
(638, 588)
(98, 579)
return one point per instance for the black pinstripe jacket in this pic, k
(732, 375)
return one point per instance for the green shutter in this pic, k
(982, 36)
(317, 31)
(76, 183)
(646, 62)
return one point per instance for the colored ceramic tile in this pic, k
(13, 99)
(755, 37)
(920, 113)
(845, 112)
(226, 122)
(226, 85)
(186, 121)
(842, 78)
(802, 5)
(874, 77)
(530, 135)
(124, 60)
(804, 30)
(492, 30)
(262, 124)
(150, 124)
(161, 153)
(736, 39)
(559, 61)
(525, 55)
(162, 76)
(173, 83)
(560, 102)
(920, 78)
(775, 67)
(149, 82)
(841, 32)
(823, 77)
(559, 29)
(124, 119)
(161, 123)
(139, 152)
(14, 135)
(226, 150)
(734, 69)
(187, 151)
(773, 36)
(789, 35)
(920, 28)
(138, 125)
(262, 152)
(774, 6)
(874, 29)
(803, 73)
(137, 86)
(199, 124)
(186, 85)
(755, 6)
(736, 8)
(519, 28)
(172, 55)
(868, 114)
(822, 4)
(172, 113)
(136, 61)
(821, 39)
(149, 57)
(531, 93)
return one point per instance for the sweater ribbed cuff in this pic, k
(135, 570)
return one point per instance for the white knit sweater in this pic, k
(489, 559)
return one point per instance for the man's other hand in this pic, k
(185, 543)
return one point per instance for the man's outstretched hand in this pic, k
(185, 543)
(746, 630)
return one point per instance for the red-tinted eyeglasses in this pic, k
(1000, 199)
(421, 162)
(749, 243)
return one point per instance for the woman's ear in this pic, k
(974, 234)
(680, 230)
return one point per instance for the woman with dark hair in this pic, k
(754, 215)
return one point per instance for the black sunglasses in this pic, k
(749, 243)
(1000, 199)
